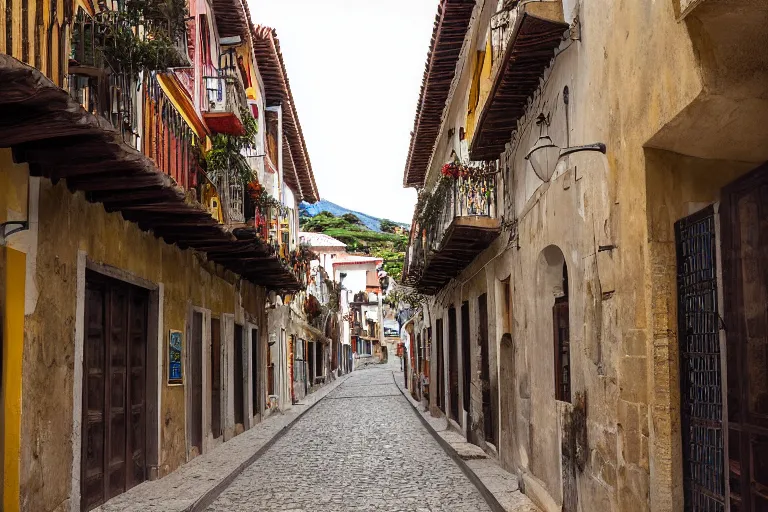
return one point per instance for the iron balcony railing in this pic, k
(467, 196)
(225, 90)
(232, 194)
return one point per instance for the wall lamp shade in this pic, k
(545, 154)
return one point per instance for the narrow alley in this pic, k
(360, 448)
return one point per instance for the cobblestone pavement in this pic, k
(360, 448)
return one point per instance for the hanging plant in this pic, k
(142, 36)
(225, 158)
(435, 202)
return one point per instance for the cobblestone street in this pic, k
(360, 448)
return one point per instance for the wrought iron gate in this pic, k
(701, 394)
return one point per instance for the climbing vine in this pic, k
(225, 158)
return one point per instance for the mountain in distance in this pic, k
(310, 210)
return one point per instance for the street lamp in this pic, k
(545, 154)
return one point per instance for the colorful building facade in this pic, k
(150, 171)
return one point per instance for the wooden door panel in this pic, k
(239, 374)
(116, 397)
(195, 382)
(136, 399)
(215, 377)
(92, 459)
(745, 277)
(114, 437)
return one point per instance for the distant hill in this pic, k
(310, 210)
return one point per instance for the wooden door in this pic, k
(466, 360)
(745, 286)
(214, 377)
(440, 365)
(453, 363)
(255, 375)
(114, 396)
(239, 378)
(562, 347)
(195, 383)
(489, 411)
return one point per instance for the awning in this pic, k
(60, 140)
(529, 52)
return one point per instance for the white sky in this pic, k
(355, 68)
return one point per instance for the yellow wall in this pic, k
(481, 86)
(13, 197)
(13, 344)
(70, 224)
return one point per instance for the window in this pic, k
(562, 343)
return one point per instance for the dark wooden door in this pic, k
(489, 411)
(214, 377)
(453, 363)
(195, 383)
(465, 359)
(562, 340)
(440, 365)
(239, 377)
(255, 375)
(745, 286)
(114, 396)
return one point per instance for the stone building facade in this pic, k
(589, 311)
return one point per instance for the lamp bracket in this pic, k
(11, 228)
(599, 147)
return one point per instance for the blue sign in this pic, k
(174, 358)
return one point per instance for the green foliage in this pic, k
(387, 226)
(352, 218)
(359, 239)
(429, 206)
(129, 49)
(393, 261)
(405, 296)
(225, 156)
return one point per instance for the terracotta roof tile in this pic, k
(451, 24)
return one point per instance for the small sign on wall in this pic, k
(175, 375)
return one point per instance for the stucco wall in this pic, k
(68, 224)
(631, 74)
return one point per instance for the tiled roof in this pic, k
(269, 59)
(320, 240)
(351, 259)
(451, 24)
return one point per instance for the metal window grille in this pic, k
(700, 371)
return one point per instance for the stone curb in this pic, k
(210, 496)
(489, 497)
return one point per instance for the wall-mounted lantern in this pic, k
(545, 154)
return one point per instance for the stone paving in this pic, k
(360, 448)
(183, 489)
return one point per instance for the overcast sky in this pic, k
(355, 68)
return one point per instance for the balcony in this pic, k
(523, 40)
(456, 224)
(226, 97)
